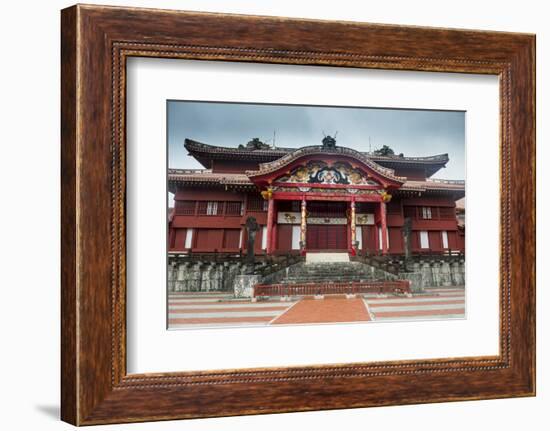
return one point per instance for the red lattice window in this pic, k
(185, 207)
(233, 208)
(256, 203)
(409, 212)
(393, 207)
(327, 209)
(447, 213)
(427, 213)
(210, 208)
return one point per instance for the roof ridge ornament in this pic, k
(255, 144)
(329, 142)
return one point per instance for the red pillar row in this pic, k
(270, 208)
(384, 226)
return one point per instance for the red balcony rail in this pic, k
(356, 287)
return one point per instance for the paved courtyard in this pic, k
(199, 310)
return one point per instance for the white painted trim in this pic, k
(368, 219)
(445, 239)
(296, 237)
(424, 239)
(189, 238)
(264, 237)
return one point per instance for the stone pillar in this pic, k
(181, 285)
(243, 286)
(232, 270)
(303, 226)
(427, 274)
(172, 276)
(456, 276)
(436, 275)
(353, 240)
(461, 271)
(206, 275)
(445, 274)
(269, 245)
(216, 277)
(194, 280)
(384, 226)
(178, 275)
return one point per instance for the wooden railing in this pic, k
(355, 287)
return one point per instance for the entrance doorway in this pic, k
(326, 237)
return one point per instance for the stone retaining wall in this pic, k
(203, 276)
(435, 272)
(193, 276)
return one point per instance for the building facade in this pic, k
(311, 199)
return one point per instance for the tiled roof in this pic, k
(434, 184)
(201, 150)
(204, 152)
(206, 176)
(438, 158)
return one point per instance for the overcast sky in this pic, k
(411, 132)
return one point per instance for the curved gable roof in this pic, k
(387, 175)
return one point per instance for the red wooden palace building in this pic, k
(314, 198)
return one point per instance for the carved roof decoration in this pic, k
(319, 172)
(269, 167)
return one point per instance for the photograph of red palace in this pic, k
(362, 225)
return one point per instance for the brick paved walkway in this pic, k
(202, 310)
(219, 309)
(435, 303)
(329, 310)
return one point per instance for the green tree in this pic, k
(384, 151)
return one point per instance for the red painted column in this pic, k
(348, 236)
(269, 226)
(353, 235)
(384, 226)
(274, 229)
(303, 226)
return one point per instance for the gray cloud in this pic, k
(412, 132)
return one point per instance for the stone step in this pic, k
(330, 274)
(327, 272)
(312, 258)
(342, 276)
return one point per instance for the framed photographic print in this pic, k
(265, 215)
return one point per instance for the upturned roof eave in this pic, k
(206, 151)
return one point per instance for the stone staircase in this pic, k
(328, 272)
